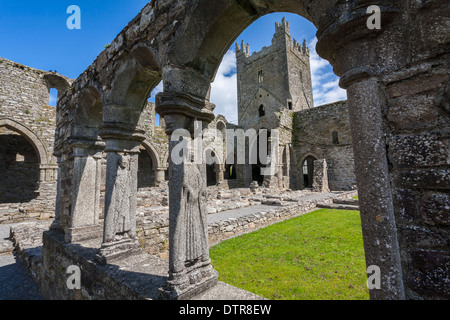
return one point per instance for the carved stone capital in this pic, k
(346, 40)
(84, 147)
(180, 109)
(121, 137)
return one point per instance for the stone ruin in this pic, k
(397, 83)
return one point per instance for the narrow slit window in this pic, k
(335, 137)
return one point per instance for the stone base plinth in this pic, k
(111, 252)
(190, 282)
(77, 234)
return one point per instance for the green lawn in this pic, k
(316, 256)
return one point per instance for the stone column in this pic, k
(160, 176)
(84, 216)
(55, 224)
(220, 176)
(359, 54)
(190, 270)
(119, 231)
(320, 178)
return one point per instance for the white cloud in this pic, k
(324, 82)
(224, 88)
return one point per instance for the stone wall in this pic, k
(47, 258)
(324, 133)
(28, 167)
(153, 229)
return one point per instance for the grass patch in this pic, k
(316, 256)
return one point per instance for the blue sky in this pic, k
(34, 33)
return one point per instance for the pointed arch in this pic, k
(30, 136)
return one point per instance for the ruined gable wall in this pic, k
(24, 97)
(313, 135)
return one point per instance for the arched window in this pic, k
(262, 111)
(53, 97)
(260, 76)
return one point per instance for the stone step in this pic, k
(338, 206)
(6, 247)
(353, 202)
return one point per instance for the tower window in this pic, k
(260, 76)
(290, 105)
(335, 137)
(262, 111)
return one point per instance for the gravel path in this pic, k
(15, 283)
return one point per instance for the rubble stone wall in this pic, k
(324, 133)
(28, 168)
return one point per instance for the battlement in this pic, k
(282, 29)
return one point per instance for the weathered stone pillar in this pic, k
(55, 224)
(119, 231)
(85, 212)
(220, 174)
(320, 178)
(190, 270)
(358, 54)
(160, 176)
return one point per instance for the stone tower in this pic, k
(274, 78)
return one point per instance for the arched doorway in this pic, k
(22, 156)
(212, 168)
(146, 172)
(210, 175)
(19, 168)
(308, 171)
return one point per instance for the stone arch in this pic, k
(308, 170)
(213, 170)
(138, 75)
(56, 81)
(153, 154)
(222, 127)
(30, 136)
(225, 20)
(158, 167)
(89, 114)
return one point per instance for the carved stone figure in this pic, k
(122, 219)
(191, 229)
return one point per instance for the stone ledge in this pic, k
(137, 277)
